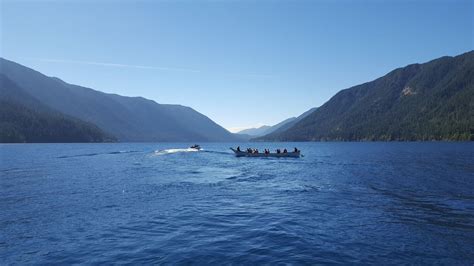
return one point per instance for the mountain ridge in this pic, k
(283, 125)
(255, 131)
(429, 101)
(128, 118)
(25, 119)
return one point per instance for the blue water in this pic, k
(348, 203)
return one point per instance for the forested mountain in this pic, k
(291, 121)
(430, 101)
(24, 119)
(283, 125)
(127, 118)
(255, 131)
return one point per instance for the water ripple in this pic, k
(343, 203)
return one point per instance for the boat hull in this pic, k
(276, 155)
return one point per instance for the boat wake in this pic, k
(172, 151)
(95, 154)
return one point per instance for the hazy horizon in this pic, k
(224, 58)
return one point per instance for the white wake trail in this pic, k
(171, 151)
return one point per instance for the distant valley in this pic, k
(430, 101)
(252, 133)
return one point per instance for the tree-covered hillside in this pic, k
(431, 101)
(127, 118)
(24, 119)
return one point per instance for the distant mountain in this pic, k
(127, 118)
(280, 125)
(243, 137)
(255, 133)
(24, 119)
(259, 131)
(283, 125)
(288, 123)
(430, 101)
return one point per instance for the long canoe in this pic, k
(260, 154)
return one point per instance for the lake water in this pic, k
(349, 203)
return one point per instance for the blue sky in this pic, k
(242, 63)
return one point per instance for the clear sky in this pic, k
(242, 63)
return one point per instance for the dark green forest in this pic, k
(24, 119)
(20, 124)
(431, 101)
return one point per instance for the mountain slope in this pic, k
(292, 121)
(24, 119)
(256, 131)
(283, 125)
(128, 118)
(431, 101)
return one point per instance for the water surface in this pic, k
(358, 203)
